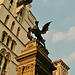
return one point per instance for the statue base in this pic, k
(34, 60)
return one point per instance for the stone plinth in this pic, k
(34, 60)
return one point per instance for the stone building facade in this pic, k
(14, 23)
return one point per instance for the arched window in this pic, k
(1, 59)
(12, 44)
(3, 36)
(12, 26)
(18, 31)
(2, 53)
(5, 58)
(5, 63)
(6, 20)
(11, 2)
(7, 41)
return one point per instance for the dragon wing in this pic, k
(45, 28)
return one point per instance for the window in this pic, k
(12, 26)
(12, 45)
(18, 31)
(6, 20)
(7, 42)
(11, 2)
(3, 36)
(5, 63)
(1, 59)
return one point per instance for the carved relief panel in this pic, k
(26, 70)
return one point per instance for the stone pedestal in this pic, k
(34, 60)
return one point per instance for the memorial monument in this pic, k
(34, 59)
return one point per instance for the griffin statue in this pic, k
(37, 32)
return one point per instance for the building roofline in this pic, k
(62, 63)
